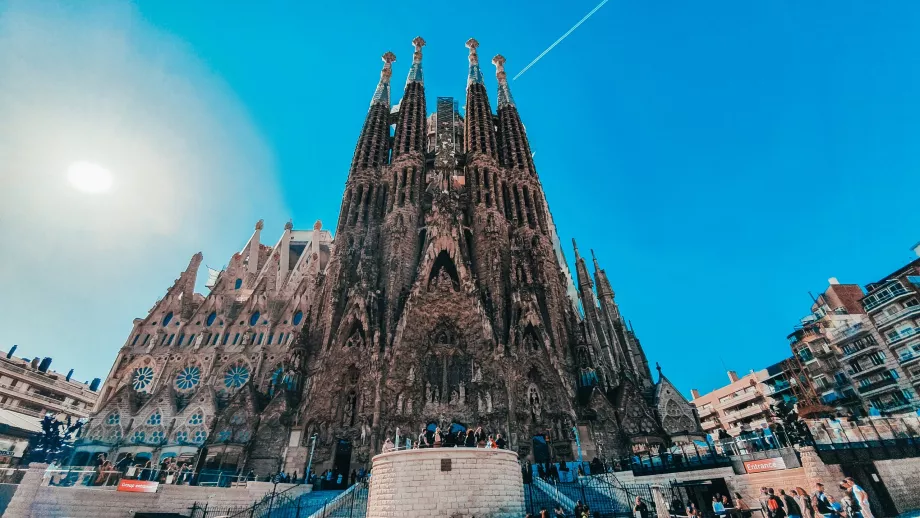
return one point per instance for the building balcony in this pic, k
(51, 404)
(851, 351)
(735, 401)
(883, 297)
(888, 320)
(780, 386)
(746, 412)
(877, 386)
(908, 358)
(903, 335)
(710, 425)
(43, 379)
(898, 406)
(704, 412)
(849, 331)
(866, 370)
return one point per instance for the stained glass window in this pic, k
(236, 376)
(200, 436)
(167, 319)
(155, 419)
(116, 434)
(188, 378)
(138, 437)
(210, 319)
(182, 436)
(297, 318)
(196, 418)
(254, 319)
(243, 436)
(156, 437)
(141, 378)
(114, 418)
(224, 435)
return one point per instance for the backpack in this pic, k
(772, 505)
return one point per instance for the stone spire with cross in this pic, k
(382, 94)
(415, 71)
(475, 76)
(504, 92)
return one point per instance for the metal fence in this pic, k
(602, 494)
(351, 503)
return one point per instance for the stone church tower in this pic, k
(444, 299)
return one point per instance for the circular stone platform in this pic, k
(446, 482)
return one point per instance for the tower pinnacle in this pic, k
(415, 71)
(382, 94)
(504, 92)
(475, 76)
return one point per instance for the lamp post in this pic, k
(310, 462)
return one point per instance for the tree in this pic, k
(55, 442)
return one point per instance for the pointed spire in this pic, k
(504, 92)
(415, 71)
(475, 76)
(584, 280)
(382, 94)
(575, 246)
(604, 289)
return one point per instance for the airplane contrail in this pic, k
(557, 42)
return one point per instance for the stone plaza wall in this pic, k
(902, 479)
(446, 482)
(33, 500)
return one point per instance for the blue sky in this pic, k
(722, 158)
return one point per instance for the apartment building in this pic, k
(30, 387)
(739, 407)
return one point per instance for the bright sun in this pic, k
(89, 177)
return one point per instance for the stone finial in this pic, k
(289, 225)
(388, 59)
(472, 44)
(575, 246)
(499, 62)
(418, 43)
(318, 225)
(260, 224)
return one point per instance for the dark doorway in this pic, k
(341, 464)
(867, 477)
(540, 449)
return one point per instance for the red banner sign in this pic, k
(138, 486)
(759, 466)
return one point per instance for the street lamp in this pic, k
(310, 462)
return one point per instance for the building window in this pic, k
(141, 378)
(236, 338)
(146, 338)
(238, 284)
(226, 337)
(260, 338)
(270, 336)
(854, 364)
(182, 436)
(864, 382)
(155, 419)
(224, 435)
(191, 340)
(167, 319)
(210, 319)
(806, 355)
(196, 418)
(181, 338)
(156, 437)
(236, 376)
(200, 436)
(169, 342)
(138, 437)
(136, 337)
(908, 394)
(114, 418)
(877, 358)
(188, 378)
(254, 318)
(893, 374)
(297, 318)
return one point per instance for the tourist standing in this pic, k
(742, 506)
(640, 509)
(822, 502)
(500, 442)
(860, 496)
(764, 498)
(775, 505)
(717, 507)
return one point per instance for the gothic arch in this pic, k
(443, 270)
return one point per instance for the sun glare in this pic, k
(89, 177)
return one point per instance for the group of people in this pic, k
(333, 478)
(853, 503)
(583, 510)
(797, 503)
(169, 471)
(438, 438)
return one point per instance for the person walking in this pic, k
(822, 503)
(764, 497)
(860, 496)
(742, 506)
(792, 507)
(804, 502)
(775, 505)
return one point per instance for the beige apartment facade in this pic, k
(743, 405)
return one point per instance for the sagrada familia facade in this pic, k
(443, 298)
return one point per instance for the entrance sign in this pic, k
(138, 486)
(759, 466)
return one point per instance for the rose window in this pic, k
(200, 436)
(182, 436)
(188, 378)
(155, 419)
(141, 378)
(196, 418)
(236, 376)
(138, 437)
(114, 418)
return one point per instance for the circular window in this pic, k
(188, 378)
(155, 419)
(167, 319)
(114, 418)
(297, 318)
(254, 319)
(211, 318)
(197, 418)
(141, 378)
(200, 436)
(236, 376)
(182, 436)
(138, 437)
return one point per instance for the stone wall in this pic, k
(902, 478)
(32, 500)
(446, 482)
